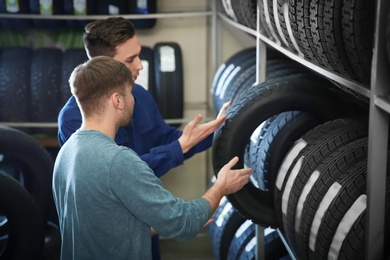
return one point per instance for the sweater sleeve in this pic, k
(134, 184)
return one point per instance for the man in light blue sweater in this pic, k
(108, 200)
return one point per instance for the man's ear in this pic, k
(117, 100)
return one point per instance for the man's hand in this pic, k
(229, 181)
(224, 108)
(194, 132)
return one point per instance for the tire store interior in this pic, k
(309, 84)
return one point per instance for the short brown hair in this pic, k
(101, 37)
(95, 80)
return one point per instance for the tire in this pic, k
(299, 14)
(316, 200)
(169, 80)
(226, 224)
(333, 37)
(144, 7)
(311, 150)
(35, 165)
(257, 105)
(19, 7)
(147, 76)
(283, 22)
(358, 35)
(15, 85)
(46, 80)
(351, 191)
(89, 7)
(280, 137)
(47, 8)
(71, 59)
(246, 12)
(24, 223)
(223, 72)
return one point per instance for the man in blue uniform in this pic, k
(161, 146)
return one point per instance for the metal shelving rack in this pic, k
(378, 94)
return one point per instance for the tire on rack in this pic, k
(246, 12)
(305, 155)
(15, 85)
(281, 135)
(35, 165)
(47, 8)
(224, 226)
(358, 23)
(300, 25)
(71, 58)
(23, 222)
(243, 245)
(46, 80)
(82, 8)
(147, 76)
(332, 36)
(223, 72)
(257, 105)
(315, 202)
(338, 234)
(169, 80)
(17, 7)
(144, 7)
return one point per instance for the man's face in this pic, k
(127, 118)
(128, 54)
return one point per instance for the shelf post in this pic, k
(377, 139)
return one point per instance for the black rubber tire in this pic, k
(351, 189)
(36, 166)
(143, 7)
(223, 72)
(283, 22)
(246, 12)
(358, 23)
(15, 85)
(46, 80)
(90, 7)
(169, 80)
(280, 137)
(319, 143)
(54, 8)
(21, 7)
(257, 105)
(333, 37)
(226, 224)
(228, 9)
(236, 79)
(299, 13)
(115, 7)
(147, 76)
(25, 225)
(329, 170)
(71, 59)
(265, 26)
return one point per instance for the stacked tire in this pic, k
(336, 35)
(29, 225)
(76, 8)
(306, 141)
(34, 82)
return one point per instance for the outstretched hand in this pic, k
(194, 132)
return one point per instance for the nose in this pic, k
(139, 64)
